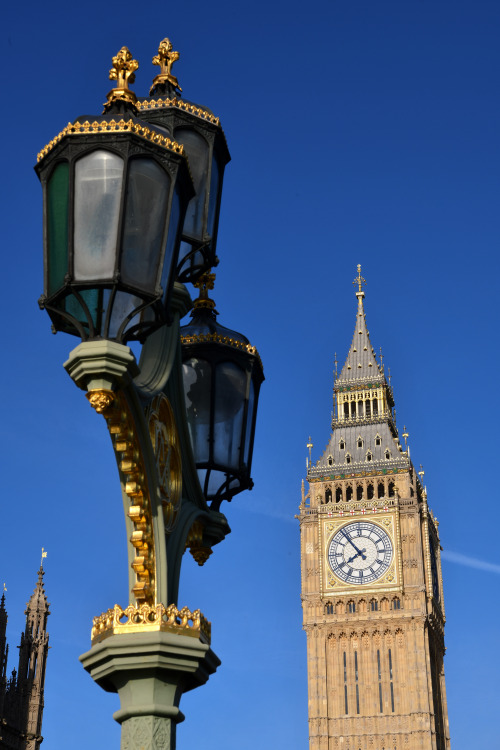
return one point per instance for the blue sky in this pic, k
(360, 132)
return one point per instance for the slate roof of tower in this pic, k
(361, 363)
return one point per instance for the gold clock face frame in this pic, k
(165, 442)
(385, 535)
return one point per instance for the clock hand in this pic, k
(360, 552)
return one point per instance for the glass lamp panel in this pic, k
(124, 303)
(197, 150)
(197, 376)
(148, 188)
(230, 398)
(249, 425)
(57, 227)
(93, 300)
(215, 481)
(214, 196)
(173, 234)
(98, 188)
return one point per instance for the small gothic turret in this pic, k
(32, 660)
(4, 651)
(21, 696)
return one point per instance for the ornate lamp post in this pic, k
(131, 206)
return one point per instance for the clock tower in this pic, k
(372, 591)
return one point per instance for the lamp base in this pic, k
(150, 672)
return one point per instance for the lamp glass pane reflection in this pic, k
(98, 189)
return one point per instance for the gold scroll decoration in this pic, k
(115, 409)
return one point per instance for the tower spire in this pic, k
(33, 651)
(361, 363)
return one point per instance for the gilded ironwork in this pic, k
(100, 399)
(147, 618)
(123, 72)
(222, 340)
(194, 543)
(165, 442)
(205, 283)
(112, 127)
(179, 104)
(133, 477)
(165, 59)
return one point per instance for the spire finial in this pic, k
(405, 435)
(44, 554)
(123, 72)
(381, 360)
(421, 473)
(359, 280)
(204, 284)
(310, 446)
(336, 365)
(165, 59)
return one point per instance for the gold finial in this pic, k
(44, 554)
(310, 446)
(204, 284)
(421, 473)
(336, 363)
(123, 72)
(405, 435)
(165, 59)
(4, 587)
(381, 360)
(359, 280)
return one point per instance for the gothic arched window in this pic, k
(348, 494)
(380, 490)
(338, 495)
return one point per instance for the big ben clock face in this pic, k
(360, 552)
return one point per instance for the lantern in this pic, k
(222, 377)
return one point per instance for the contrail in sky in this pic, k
(470, 562)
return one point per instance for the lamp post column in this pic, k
(150, 671)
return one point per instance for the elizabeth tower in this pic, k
(372, 591)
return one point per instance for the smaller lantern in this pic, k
(200, 133)
(115, 195)
(222, 377)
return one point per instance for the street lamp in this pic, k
(222, 378)
(119, 206)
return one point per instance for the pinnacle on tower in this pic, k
(361, 363)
